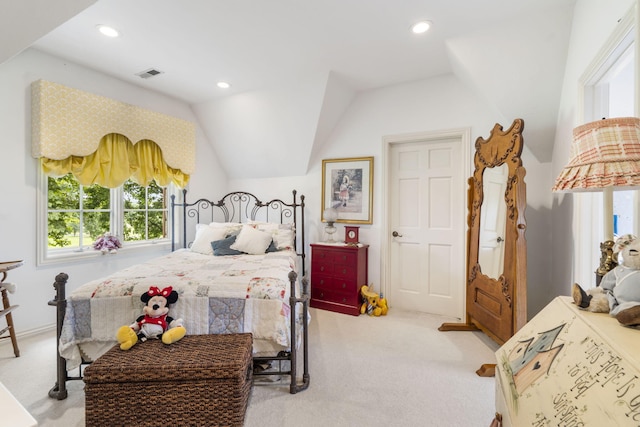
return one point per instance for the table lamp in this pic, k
(330, 216)
(604, 156)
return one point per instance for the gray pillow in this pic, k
(222, 247)
(272, 247)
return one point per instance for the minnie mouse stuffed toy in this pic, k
(155, 323)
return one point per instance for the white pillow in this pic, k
(224, 224)
(231, 227)
(282, 234)
(252, 241)
(204, 236)
(283, 239)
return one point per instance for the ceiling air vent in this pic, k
(149, 73)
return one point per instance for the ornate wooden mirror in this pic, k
(496, 294)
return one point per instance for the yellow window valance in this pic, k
(68, 123)
(153, 167)
(115, 161)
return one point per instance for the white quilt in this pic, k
(217, 294)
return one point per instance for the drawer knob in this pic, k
(344, 271)
(322, 268)
(322, 281)
(344, 285)
(344, 300)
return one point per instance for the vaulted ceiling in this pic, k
(295, 66)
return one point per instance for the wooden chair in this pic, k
(7, 308)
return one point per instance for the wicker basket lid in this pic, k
(194, 357)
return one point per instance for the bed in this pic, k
(237, 265)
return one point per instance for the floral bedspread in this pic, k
(217, 294)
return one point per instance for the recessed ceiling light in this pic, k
(224, 85)
(421, 27)
(108, 31)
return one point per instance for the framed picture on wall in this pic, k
(347, 186)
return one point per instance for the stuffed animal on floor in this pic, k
(372, 304)
(382, 303)
(155, 323)
(619, 290)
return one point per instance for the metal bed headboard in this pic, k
(240, 206)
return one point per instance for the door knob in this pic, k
(396, 234)
(500, 239)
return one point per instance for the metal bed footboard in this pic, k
(59, 390)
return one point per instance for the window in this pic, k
(75, 216)
(145, 212)
(609, 91)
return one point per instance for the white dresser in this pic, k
(568, 367)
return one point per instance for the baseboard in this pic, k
(29, 333)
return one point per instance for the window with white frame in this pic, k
(609, 91)
(74, 216)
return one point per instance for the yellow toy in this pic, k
(372, 304)
(382, 303)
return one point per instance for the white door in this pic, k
(427, 195)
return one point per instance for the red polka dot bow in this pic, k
(154, 290)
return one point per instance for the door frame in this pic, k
(461, 134)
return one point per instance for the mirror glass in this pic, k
(493, 221)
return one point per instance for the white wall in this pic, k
(429, 105)
(594, 22)
(434, 104)
(18, 176)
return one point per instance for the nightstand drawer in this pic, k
(334, 257)
(335, 284)
(338, 270)
(333, 296)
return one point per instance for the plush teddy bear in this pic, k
(155, 323)
(619, 290)
(382, 303)
(372, 304)
(107, 243)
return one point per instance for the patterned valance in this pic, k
(70, 122)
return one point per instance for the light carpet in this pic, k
(396, 370)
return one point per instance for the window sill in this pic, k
(90, 255)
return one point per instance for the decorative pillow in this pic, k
(252, 241)
(224, 224)
(223, 247)
(284, 239)
(269, 226)
(231, 227)
(204, 236)
(272, 247)
(282, 234)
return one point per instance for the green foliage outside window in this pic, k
(78, 215)
(144, 211)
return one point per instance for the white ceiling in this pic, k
(497, 47)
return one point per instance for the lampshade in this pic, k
(604, 153)
(330, 215)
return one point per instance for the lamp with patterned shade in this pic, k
(605, 155)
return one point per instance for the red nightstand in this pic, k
(337, 274)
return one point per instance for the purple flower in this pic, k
(107, 242)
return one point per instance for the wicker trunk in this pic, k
(197, 381)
